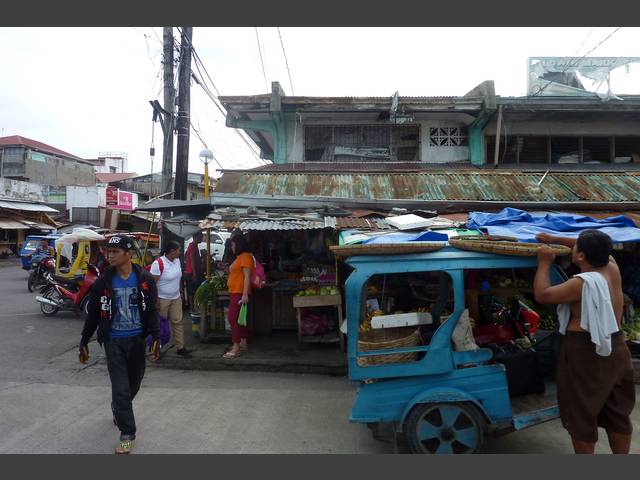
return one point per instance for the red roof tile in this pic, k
(17, 140)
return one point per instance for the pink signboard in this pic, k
(125, 201)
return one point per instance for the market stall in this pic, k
(298, 264)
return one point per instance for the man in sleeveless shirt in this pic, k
(595, 375)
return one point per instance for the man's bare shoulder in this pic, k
(613, 270)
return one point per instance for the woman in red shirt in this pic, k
(239, 286)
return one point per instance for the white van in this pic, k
(218, 240)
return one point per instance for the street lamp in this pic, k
(206, 156)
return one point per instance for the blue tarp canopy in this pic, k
(399, 237)
(524, 226)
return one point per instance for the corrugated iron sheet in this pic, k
(361, 223)
(338, 223)
(6, 224)
(264, 225)
(26, 206)
(457, 185)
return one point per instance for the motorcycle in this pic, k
(67, 294)
(39, 268)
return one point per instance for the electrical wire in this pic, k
(286, 62)
(214, 100)
(200, 81)
(195, 130)
(584, 41)
(578, 60)
(264, 74)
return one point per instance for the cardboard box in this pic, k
(402, 320)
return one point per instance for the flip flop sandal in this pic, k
(124, 447)
(231, 355)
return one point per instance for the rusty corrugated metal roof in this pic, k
(335, 167)
(441, 185)
(338, 223)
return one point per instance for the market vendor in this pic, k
(595, 374)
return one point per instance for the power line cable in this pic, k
(195, 130)
(202, 84)
(264, 74)
(286, 62)
(246, 142)
(578, 60)
(215, 101)
(584, 41)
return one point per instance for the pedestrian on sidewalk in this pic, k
(595, 374)
(122, 306)
(193, 267)
(239, 286)
(167, 272)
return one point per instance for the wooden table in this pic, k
(319, 301)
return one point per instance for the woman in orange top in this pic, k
(239, 286)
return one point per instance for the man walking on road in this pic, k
(595, 374)
(122, 306)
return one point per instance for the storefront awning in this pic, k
(6, 224)
(25, 206)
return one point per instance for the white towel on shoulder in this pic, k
(597, 316)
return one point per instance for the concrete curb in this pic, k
(211, 360)
(251, 364)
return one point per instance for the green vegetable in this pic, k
(204, 294)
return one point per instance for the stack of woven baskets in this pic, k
(502, 245)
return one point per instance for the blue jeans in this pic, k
(126, 363)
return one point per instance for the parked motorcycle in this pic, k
(39, 268)
(70, 294)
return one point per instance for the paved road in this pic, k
(49, 403)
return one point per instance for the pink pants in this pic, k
(237, 332)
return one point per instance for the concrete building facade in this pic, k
(36, 162)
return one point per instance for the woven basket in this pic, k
(386, 248)
(386, 339)
(490, 244)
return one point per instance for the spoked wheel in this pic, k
(50, 310)
(84, 307)
(444, 428)
(31, 282)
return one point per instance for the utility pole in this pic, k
(169, 102)
(184, 122)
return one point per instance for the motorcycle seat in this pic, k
(73, 281)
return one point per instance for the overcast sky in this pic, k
(87, 90)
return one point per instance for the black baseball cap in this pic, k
(120, 241)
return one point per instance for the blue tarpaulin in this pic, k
(399, 237)
(524, 226)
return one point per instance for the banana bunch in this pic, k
(365, 326)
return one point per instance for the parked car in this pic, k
(218, 240)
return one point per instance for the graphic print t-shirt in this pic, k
(126, 319)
